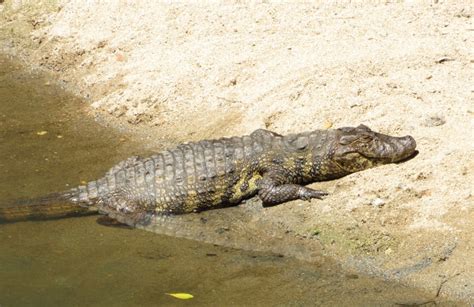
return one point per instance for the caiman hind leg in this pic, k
(274, 188)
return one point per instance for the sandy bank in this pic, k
(186, 72)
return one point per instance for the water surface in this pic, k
(49, 143)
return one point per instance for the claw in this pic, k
(308, 194)
(320, 195)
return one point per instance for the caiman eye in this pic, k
(366, 138)
(347, 139)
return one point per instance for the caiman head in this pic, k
(360, 148)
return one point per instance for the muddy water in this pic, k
(49, 143)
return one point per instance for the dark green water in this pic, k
(76, 262)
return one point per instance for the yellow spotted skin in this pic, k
(246, 187)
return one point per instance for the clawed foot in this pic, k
(308, 194)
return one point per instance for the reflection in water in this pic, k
(47, 144)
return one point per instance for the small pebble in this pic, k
(433, 121)
(377, 202)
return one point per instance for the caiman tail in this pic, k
(52, 206)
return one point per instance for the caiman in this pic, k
(217, 173)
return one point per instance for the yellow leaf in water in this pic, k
(41, 132)
(181, 296)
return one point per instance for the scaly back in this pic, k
(190, 177)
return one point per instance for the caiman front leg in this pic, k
(274, 189)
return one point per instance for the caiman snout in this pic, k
(398, 148)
